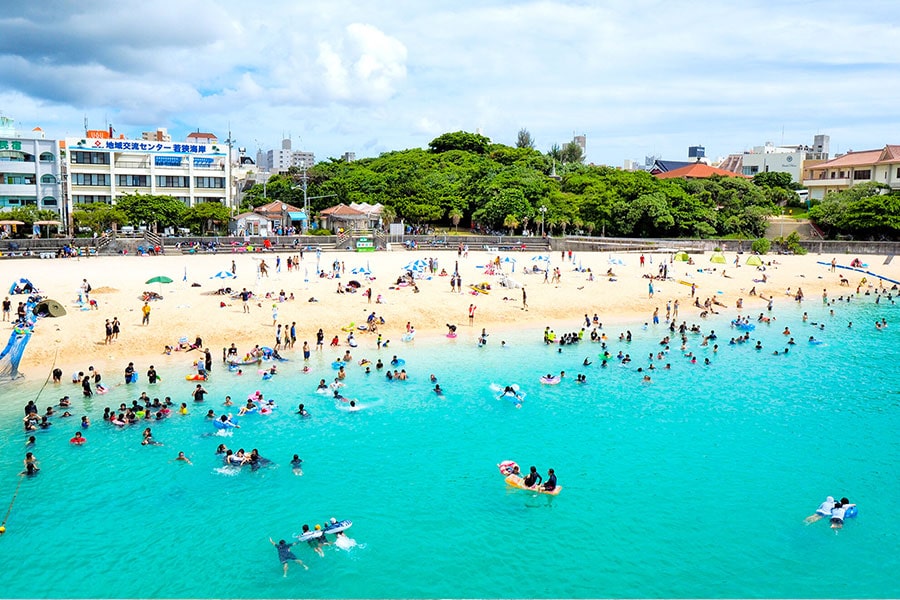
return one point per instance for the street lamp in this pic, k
(283, 214)
(543, 211)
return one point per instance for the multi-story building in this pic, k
(100, 168)
(778, 159)
(29, 169)
(845, 171)
(279, 161)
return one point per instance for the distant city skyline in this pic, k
(637, 79)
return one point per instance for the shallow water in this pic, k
(695, 485)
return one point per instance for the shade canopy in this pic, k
(159, 279)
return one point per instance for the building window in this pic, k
(48, 201)
(750, 171)
(172, 181)
(862, 174)
(94, 179)
(18, 179)
(209, 182)
(14, 200)
(131, 181)
(48, 178)
(90, 199)
(47, 157)
(90, 158)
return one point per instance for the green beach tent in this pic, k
(717, 258)
(682, 256)
(755, 261)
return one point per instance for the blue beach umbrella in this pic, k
(360, 271)
(223, 275)
(416, 265)
(540, 258)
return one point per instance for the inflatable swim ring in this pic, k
(337, 364)
(507, 467)
(195, 377)
(851, 512)
(219, 424)
(398, 362)
(348, 327)
(337, 526)
(451, 335)
(550, 380)
(134, 377)
(408, 337)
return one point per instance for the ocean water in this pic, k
(694, 485)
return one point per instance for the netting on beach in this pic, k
(12, 353)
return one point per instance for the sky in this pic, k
(637, 78)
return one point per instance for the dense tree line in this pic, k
(866, 211)
(465, 179)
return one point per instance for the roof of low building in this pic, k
(698, 171)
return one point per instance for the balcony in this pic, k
(17, 189)
(822, 182)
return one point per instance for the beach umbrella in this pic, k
(540, 258)
(416, 265)
(11, 222)
(224, 275)
(159, 279)
(360, 271)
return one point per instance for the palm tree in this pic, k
(511, 221)
(563, 222)
(388, 214)
(455, 216)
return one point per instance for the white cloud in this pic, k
(638, 77)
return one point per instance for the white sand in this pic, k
(76, 340)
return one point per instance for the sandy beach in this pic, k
(190, 308)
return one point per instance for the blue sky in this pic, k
(638, 78)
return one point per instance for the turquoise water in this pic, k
(695, 485)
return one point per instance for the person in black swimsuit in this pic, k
(533, 478)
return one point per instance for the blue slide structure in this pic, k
(863, 271)
(12, 354)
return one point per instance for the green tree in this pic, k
(774, 179)
(511, 222)
(98, 216)
(152, 211)
(867, 210)
(460, 140)
(207, 216)
(524, 139)
(572, 153)
(455, 216)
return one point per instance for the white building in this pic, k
(279, 161)
(783, 159)
(100, 168)
(29, 169)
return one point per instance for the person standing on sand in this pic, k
(472, 308)
(233, 268)
(146, 312)
(7, 305)
(263, 269)
(245, 300)
(524, 299)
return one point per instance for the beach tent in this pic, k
(23, 286)
(49, 308)
(717, 258)
(754, 260)
(682, 256)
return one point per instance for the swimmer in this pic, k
(78, 439)
(824, 510)
(301, 410)
(837, 515)
(296, 463)
(221, 449)
(285, 555)
(438, 390)
(183, 458)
